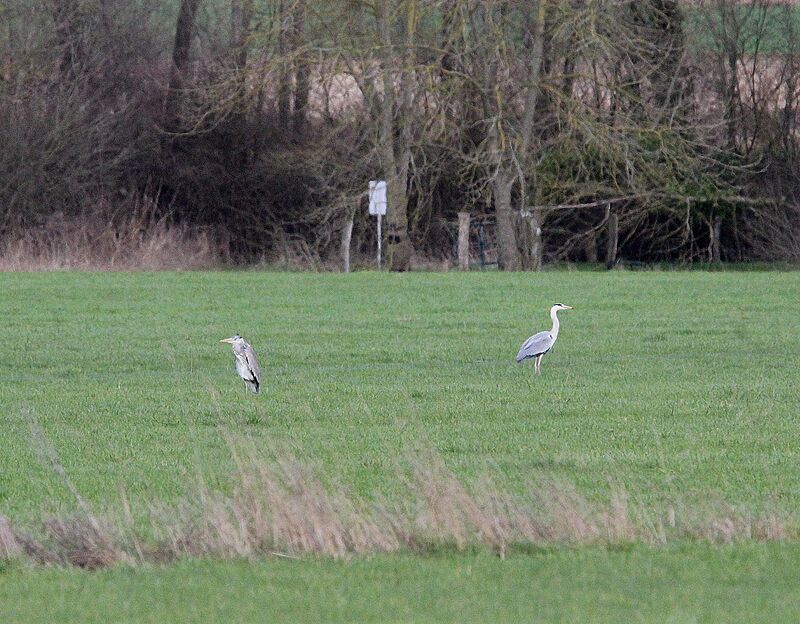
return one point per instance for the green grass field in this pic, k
(681, 385)
(743, 584)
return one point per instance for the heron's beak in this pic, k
(569, 307)
(228, 340)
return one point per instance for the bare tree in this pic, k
(302, 67)
(396, 120)
(561, 126)
(241, 18)
(184, 30)
(509, 74)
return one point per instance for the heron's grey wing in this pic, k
(243, 367)
(252, 362)
(535, 345)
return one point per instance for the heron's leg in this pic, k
(537, 366)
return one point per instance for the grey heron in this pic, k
(246, 362)
(539, 344)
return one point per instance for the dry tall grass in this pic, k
(134, 241)
(277, 506)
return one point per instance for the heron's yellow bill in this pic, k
(228, 340)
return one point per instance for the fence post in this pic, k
(463, 241)
(347, 233)
(613, 237)
(482, 245)
(537, 251)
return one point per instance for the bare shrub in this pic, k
(773, 234)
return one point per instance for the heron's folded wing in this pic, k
(536, 344)
(252, 361)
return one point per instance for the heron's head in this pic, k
(233, 339)
(560, 306)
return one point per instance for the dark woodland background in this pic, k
(201, 132)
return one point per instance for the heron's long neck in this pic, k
(554, 316)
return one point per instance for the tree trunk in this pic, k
(731, 99)
(395, 139)
(285, 85)
(503, 153)
(508, 251)
(729, 67)
(399, 250)
(237, 35)
(302, 69)
(184, 29)
(241, 16)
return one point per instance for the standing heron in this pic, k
(246, 362)
(539, 344)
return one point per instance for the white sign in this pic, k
(377, 197)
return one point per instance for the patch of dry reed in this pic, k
(277, 506)
(133, 240)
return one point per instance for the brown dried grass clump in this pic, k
(10, 547)
(81, 542)
(278, 506)
(717, 522)
(275, 507)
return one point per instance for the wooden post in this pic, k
(537, 249)
(613, 237)
(714, 231)
(463, 241)
(347, 234)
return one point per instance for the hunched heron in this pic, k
(539, 344)
(246, 362)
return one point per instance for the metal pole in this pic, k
(379, 242)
